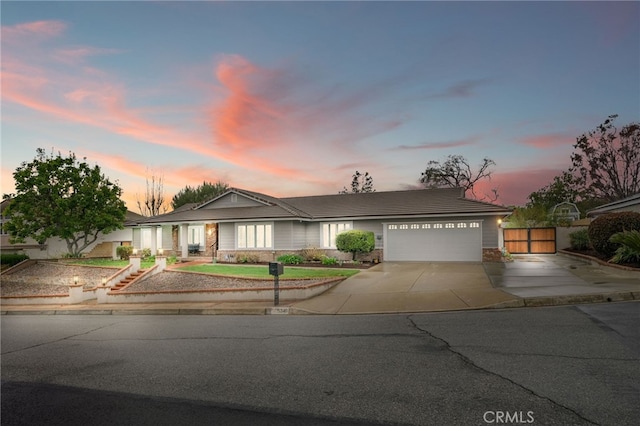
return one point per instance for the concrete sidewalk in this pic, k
(406, 287)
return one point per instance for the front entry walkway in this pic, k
(394, 287)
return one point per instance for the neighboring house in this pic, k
(565, 211)
(53, 248)
(417, 225)
(629, 204)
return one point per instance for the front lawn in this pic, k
(290, 272)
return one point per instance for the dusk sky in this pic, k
(291, 98)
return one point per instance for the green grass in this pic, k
(262, 271)
(246, 271)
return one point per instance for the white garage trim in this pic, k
(438, 241)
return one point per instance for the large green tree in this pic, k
(606, 162)
(605, 167)
(62, 197)
(199, 194)
(561, 189)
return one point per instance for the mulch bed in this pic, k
(599, 256)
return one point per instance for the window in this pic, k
(393, 226)
(426, 226)
(449, 225)
(195, 234)
(415, 226)
(462, 225)
(254, 236)
(474, 225)
(437, 226)
(330, 230)
(145, 237)
(404, 226)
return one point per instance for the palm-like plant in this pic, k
(629, 250)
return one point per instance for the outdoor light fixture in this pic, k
(135, 251)
(104, 281)
(76, 279)
(160, 251)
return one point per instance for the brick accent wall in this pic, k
(492, 255)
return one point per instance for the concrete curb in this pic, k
(580, 299)
(528, 302)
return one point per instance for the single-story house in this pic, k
(629, 204)
(53, 248)
(413, 225)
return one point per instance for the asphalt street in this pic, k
(561, 365)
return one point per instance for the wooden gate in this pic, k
(530, 240)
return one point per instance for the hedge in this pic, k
(605, 226)
(12, 258)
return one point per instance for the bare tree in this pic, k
(456, 172)
(360, 183)
(154, 201)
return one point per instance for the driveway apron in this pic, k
(553, 275)
(394, 287)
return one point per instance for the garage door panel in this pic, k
(436, 242)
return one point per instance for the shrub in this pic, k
(604, 227)
(579, 240)
(290, 259)
(355, 242)
(328, 261)
(124, 252)
(629, 250)
(12, 258)
(312, 254)
(247, 258)
(146, 253)
(72, 256)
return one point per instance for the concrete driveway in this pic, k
(531, 280)
(558, 275)
(394, 287)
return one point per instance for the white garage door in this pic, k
(446, 241)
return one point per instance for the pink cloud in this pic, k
(74, 55)
(438, 145)
(514, 187)
(551, 140)
(30, 29)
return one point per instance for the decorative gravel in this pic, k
(51, 278)
(45, 278)
(184, 281)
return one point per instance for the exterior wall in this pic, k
(294, 236)
(56, 248)
(136, 234)
(232, 200)
(167, 238)
(227, 236)
(562, 235)
(283, 235)
(312, 234)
